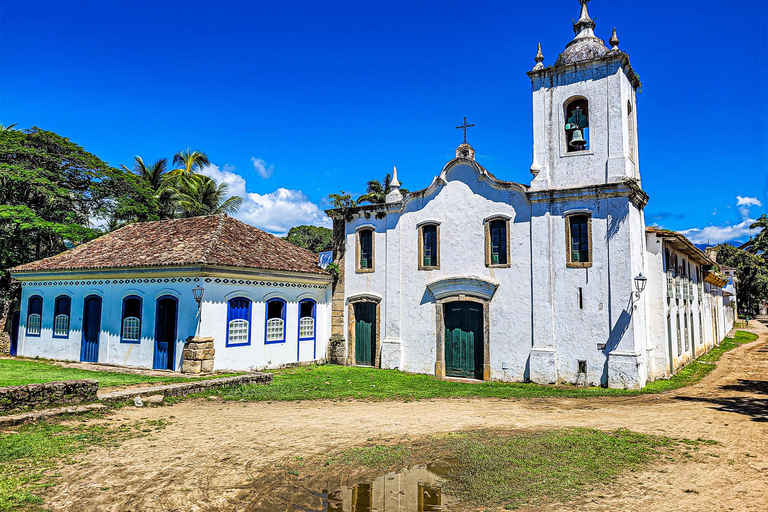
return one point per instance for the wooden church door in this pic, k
(365, 334)
(89, 351)
(165, 333)
(464, 339)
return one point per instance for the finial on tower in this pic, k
(394, 183)
(584, 22)
(614, 40)
(394, 195)
(539, 59)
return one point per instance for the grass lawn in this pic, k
(345, 382)
(17, 372)
(30, 453)
(490, 468)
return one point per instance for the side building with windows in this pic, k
(477, 277)
(131, 296)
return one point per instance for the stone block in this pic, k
(155, 399)
(199, 346)
(543, 366)
(191, 366)
(206, 366)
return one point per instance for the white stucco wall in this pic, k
(152, 285)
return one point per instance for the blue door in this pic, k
(89, 352)
(14, 332)
(165, 333)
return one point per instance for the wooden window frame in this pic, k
(58, 312)
(231, 319)
(267, 319)
(568, 256)
(488, 245)
(38, 314)
(437, 246)
(124, 317)
(358, 250)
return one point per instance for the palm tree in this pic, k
(156, 177)
(376, 193)
(189, 162)
(8, 128)
(197, 195)
(760, 243)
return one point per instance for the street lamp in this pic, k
(197, 293)
(640, 282)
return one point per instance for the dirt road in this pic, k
(212, 449)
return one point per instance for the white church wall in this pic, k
(655, 302)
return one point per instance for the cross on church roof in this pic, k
(464, 127)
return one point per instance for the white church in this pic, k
(556, 281)
(473, 277)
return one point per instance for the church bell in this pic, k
(577, 140)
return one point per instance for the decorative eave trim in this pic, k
(611, 56)
(715, 279)
(638, 197)
(681, 243)
(365, 297)
(472, 286)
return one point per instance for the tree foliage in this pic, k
(314, 238)
(752, 275)
(376, 191)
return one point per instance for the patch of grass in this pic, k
(30, 453)
(17, 372)
(374, 457)
(345, 382)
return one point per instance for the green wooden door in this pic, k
(365, 334)
(464, 339)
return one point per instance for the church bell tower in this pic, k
(584, 113)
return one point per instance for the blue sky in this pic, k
(294, 100)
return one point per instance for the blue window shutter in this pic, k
(239, 309)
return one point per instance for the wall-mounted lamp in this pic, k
(640, 282)
(198, 292)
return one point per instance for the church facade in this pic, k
(476, 277)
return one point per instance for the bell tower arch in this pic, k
(584, 113)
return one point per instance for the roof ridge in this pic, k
(214, 239)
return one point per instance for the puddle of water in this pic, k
(416, 489)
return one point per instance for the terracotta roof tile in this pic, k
(212, 240)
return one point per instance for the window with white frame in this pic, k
(238, 321)
(61, 313)
(275, 321)
(131, 328)
(306, 319)
(34, 315)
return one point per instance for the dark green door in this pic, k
(365, 334)
(464, 339)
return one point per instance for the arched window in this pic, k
(307, 309)
(34, 315)
(631, 130)
(131, 324)
(238, 322)
(275, 321)
(61, 312)
(577, 125)
(666, 260)
(365, 250)
(497, 242)
(429, 247)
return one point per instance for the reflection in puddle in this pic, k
(417, 489)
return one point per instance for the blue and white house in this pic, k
(137, 295)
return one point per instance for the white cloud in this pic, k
(719, 234)
(262, 168)
(277, 211)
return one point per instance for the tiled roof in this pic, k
(212, 240)
(682, 244)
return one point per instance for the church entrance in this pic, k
(463, 339)
(89, 350)
(365, 334)
(165, 333)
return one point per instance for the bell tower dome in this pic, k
(584, 113)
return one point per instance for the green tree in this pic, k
(752, 275)
(314, 238)
(156, 177)
(376, 191)
(197, 195)
(760, 242)
(189, 162)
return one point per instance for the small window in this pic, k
(238, 322)
(497, 242)
(666, 260)
(579, 238)
(306, 319)
(275, 321)
(577, 125)
(631, 130)
(34, 315)
(429, 247)
(61, 313)
(131, 330)
(365, 248)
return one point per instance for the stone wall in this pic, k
(337, 350)
(198, 355)
(336, 346)
(49, 394)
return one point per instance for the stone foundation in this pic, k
(198, 355)
(543, 366)
(337, 350)
(48, 394)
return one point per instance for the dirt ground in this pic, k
(211, 449)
